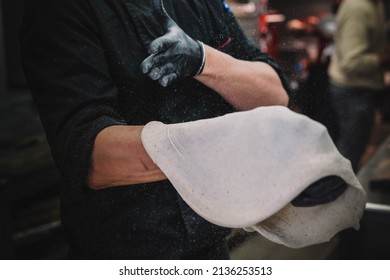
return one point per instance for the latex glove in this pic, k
(323, 191)
(174, 55)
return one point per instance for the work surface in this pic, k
(375, 178)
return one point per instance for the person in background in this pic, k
(356, 73)
(99, 71)
(313, 97)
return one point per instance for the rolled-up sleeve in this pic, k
(66, 68)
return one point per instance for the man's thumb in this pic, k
(161, 14)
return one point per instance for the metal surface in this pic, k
(377, 168)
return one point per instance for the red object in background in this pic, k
(268, 28)
(263, 32)
(263, 26)
(273, 42)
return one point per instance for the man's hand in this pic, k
(174, 55)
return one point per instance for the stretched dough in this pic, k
(243, 169)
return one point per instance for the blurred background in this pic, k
(298, 34)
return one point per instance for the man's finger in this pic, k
(160, 44)
(155, 60)
(164, 70)
(146, 65)
(155, 74)
(168, 79)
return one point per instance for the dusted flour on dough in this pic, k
(244, 168)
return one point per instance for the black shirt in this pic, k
(82, 61)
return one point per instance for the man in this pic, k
(357, 73)
(99, 70)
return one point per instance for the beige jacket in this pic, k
(359, 38)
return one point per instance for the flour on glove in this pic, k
(174, 55)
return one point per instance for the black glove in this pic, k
(174, 55)
(323, 191)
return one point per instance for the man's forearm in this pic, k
(244, 84)
(119, 158)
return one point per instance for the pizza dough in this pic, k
(243, 169)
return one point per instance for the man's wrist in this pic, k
(203, 50)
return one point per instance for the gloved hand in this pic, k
(174, 55)
(325, 190)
